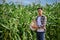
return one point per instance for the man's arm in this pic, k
(44, 23)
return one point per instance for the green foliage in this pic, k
(15, 21)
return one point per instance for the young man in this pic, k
(41, 23)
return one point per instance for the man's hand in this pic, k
(35, 26)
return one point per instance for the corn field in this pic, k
(15, 21)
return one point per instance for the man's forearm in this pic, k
(43, 27)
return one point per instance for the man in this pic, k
(41, 23)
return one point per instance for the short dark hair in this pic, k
(39, 8)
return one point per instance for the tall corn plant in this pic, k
(52, 13)
(8, 23)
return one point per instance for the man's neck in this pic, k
(39, 15)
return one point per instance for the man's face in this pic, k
(40, 11)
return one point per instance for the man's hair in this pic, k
(39, 8)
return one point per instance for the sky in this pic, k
(26, 2)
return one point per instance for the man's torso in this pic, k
(39, 22)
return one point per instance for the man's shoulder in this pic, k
(44, 16)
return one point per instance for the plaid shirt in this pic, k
(43, 20)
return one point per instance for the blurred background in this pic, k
(16, 16)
